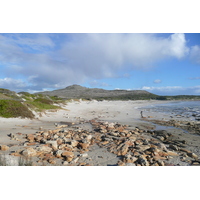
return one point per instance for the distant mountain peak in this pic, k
(75, 87)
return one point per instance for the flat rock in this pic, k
(4, 147)
(29, 152)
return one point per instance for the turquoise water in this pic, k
(188, 109)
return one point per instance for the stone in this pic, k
(31, 143)
(105, 142)
(65, 163)
(53, 144)
(185, 150)
(52, 161)
(142, 161)
(74, 143)
(67, 154)
(193, 155)
(173, 147)
(172, 153)
(120, 163)
(75, 160)
(89, 137)
(123, 150)
(4, 147)
(59, 141)
(160, 163)
(30, 137)
(84, 155)
(44, 149)
(58, 153)
(161, 138)
(83, 145)
(29, 152)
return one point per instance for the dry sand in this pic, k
(124, 112)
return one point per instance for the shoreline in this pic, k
(80, 113)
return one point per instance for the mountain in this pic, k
(77, 92)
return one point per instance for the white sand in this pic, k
(125, 112)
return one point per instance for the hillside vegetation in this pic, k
(23, 104)
(77, 92)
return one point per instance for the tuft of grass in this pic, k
(44, 101)
(39, 106)
(12, 108)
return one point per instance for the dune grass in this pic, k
(12, 108)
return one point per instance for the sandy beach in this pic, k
(81, 112)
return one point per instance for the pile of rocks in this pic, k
(132, 146)
(58, 146)
(68, 145)
(191, 126)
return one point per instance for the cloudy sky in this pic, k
(164, 64)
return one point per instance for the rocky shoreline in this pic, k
(113, 143)
(100, 142)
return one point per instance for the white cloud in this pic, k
(157, 81)
(172, 90)
(84, 56)
(12, 84)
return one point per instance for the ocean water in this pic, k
(188, 109)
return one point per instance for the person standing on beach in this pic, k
(141, 114)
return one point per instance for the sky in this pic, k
(164, 64)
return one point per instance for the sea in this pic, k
(188, 109)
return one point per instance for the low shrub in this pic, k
(12, 108)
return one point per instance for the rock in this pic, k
(4, 147)
(59, 141)
(74, 143)
(65, 163)
(142, 161)
(120, 163)
(173, 147)
(67, 154)
(160, 138)
(52, 161)
(83, 145)
(53, 144)
(171, 153)
(161, 146)
(160, 163)
(84, 155)
(193, 155)
(31, 144)
(58, 153)
(75, 160)
(29, 152)
(30, 137)
(123, 149)
(89, 137)
(44, 149)
(185, 150)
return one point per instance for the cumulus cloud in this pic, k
(157, 81)
(44, 64)
(12, 83)
(172, 90)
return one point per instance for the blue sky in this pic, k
(164, 64)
